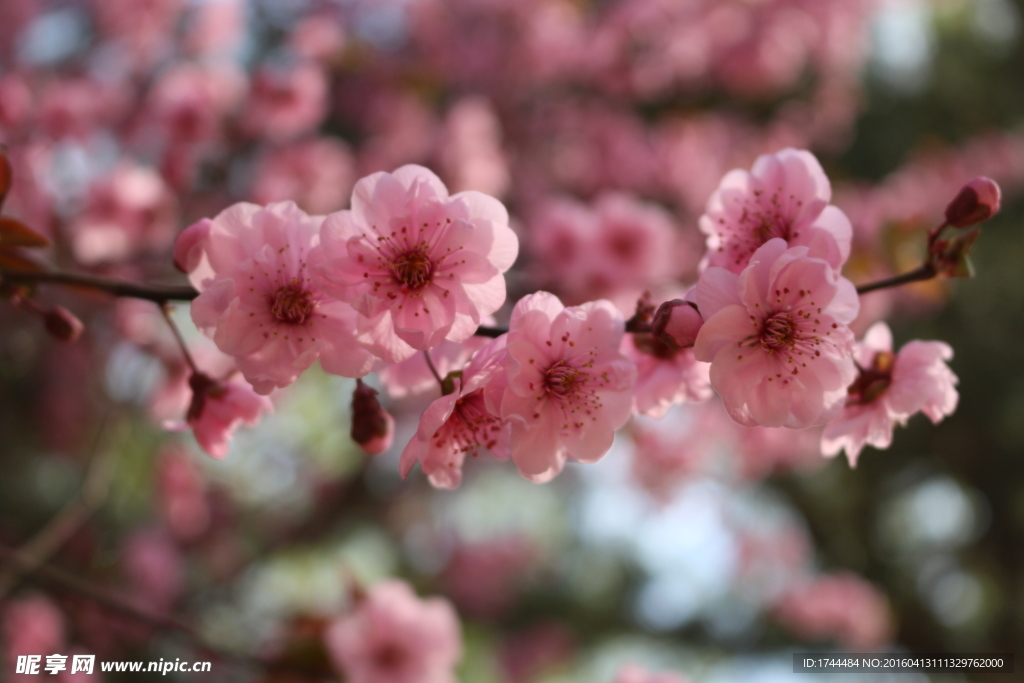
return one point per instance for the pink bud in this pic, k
(977, 201)
(372, 427)
(63, 324)
(677, 323)
(188, 249)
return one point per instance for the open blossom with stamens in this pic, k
(786, 195)
(258, 302)
(568, 386)
(391, 636)
(419, 265)
(777, 337)
(889, 389)
(459, 423)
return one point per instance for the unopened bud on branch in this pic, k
(977, 201)
(372, 427)
(63, 324)
(676, 323)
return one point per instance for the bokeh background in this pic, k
(695, 546)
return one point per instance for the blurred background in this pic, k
(695, 546)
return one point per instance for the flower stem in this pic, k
(925, 272)
(156, 293)
(166, 310)
(430, 364)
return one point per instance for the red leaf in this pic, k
(14, 233)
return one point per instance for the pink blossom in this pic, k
(665, 375)
(130, 210)
(460, 423)
(32, 626)
(181, 494)
(786, 195)
(218, 408)
(762, 451)
(777, 337)
(316, 174)
(976, 202)
(569, 388)
(841, 607)
(286, 104)
(889, 389)
(413, 376)
(320, 37)
(188, 102)
(154, 569)
(471, 152)
(391, 636)
(259, 304)
(16, 102)
(633, 673)
(483, 578)
(373, 428)
(418, 265)
(669, 452)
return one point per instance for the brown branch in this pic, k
(926, 272)
(156, 293)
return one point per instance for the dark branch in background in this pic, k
(925, 272)
(79, 587)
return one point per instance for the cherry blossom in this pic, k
(777, 337)
(258, 301)
(218, 408)
(889, 389)
(419, 266)
(569, 388)
(391, 636)
(786, 195)
(460, 423)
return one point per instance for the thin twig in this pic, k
(52, 536)
(430, 364)
(926, 272)
(166, 310)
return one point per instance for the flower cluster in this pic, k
(410, 270)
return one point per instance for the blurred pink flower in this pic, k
(762, 451)
(131, 210)
(181, 494)
(418, 265)
(316, 174)
(259, 304)
(471, 154)
(16, 104)
(218, 408)
(142, 25)
(633, 673)
(31, 626)
(569, 388)
(320, 37)
(889, 389)
(483, 578)
(188, 102)
(460, 423)
(777, 337)
(786, 195)
(285, 104)
(76, 107)
(153, 565)
(667, 453)
(391, 636)
(537, 649)
(841, 607)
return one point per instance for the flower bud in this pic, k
(188, 248)
(63, 324)
(372, 427)
(676, 323)
(976, 202)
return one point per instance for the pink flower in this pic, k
(373, 428)
(391, 636)
(669, 452)
(413, 377)
(889, 389)
(32, 626)
(286, 104)
(786, 195)
(218, 408)
(842, 607)
(777, 337)
(976, 202)
(633, 673)
(420, 266)
(316, 174)
(471, 147)
(460, 423)
(483, 578)
(258, 303)
(181, 493)
(665, 375)
(130, 210)
(569, 388)
(154, 569)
